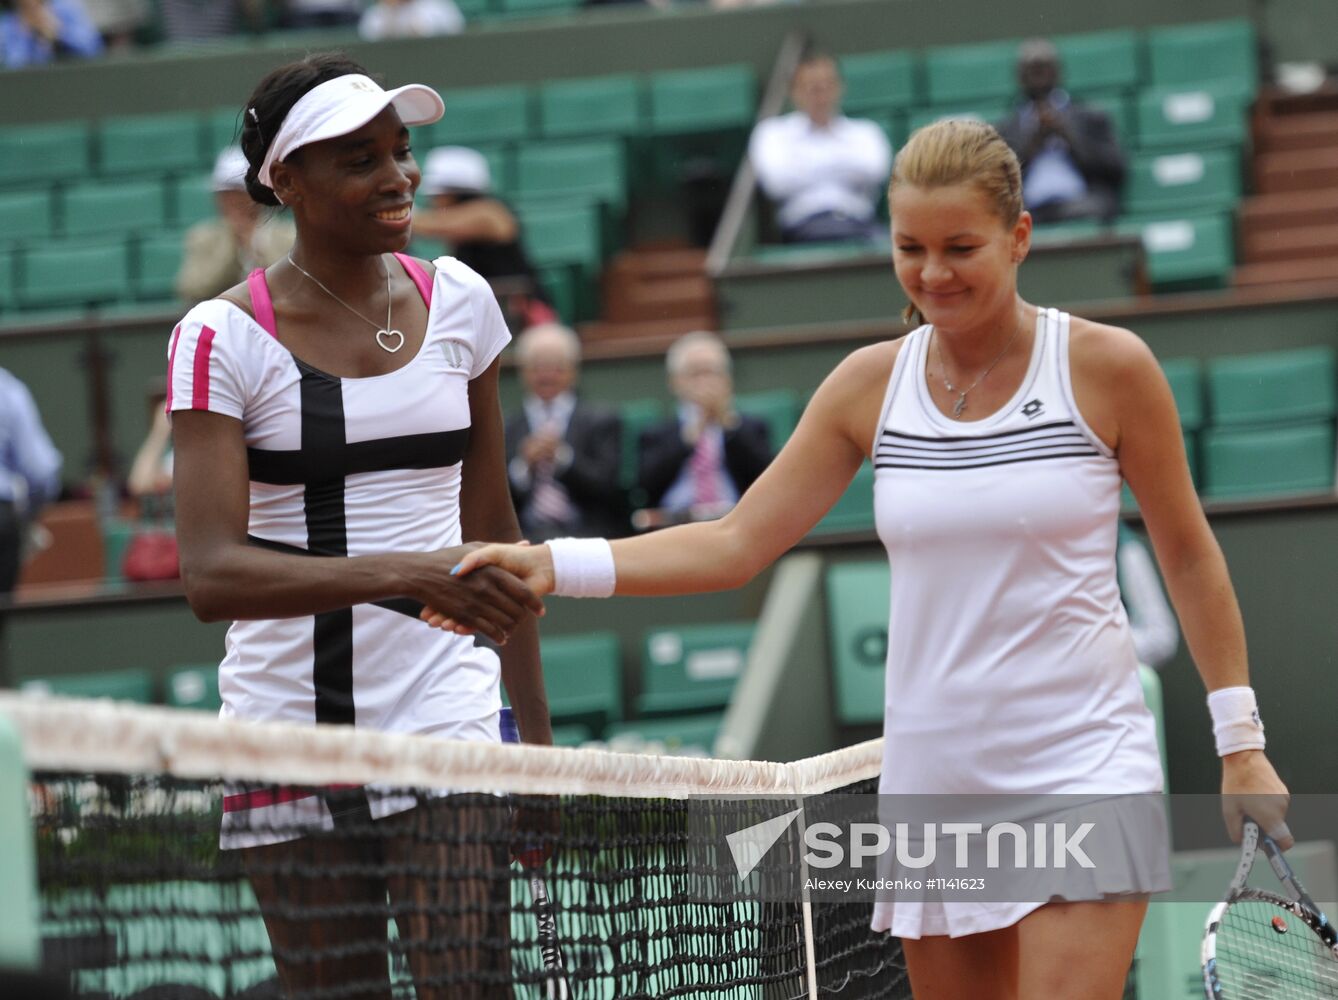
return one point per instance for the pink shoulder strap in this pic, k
(261, 304)
(415, 271)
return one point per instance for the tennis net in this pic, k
(382, 865)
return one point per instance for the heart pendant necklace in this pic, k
(388, 339)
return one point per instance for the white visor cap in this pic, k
(456, 168)
(343, 105)
(230, 170)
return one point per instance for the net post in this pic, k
(806, 906)
(20, 943)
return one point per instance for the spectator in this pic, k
(221, 252)
(825, 171)
(702, 460)
(562, 452)
(151, 471)
(201, 20)
(410, 19)
(29, 473)
(118, 20)
(38, 32)
(482, 232)
(1072, 165)
(1151, 620)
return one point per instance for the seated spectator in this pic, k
(826, 172)
(151, 471)
(320, 13)
(221, 252)
(700, 462)
(117, 21)
(194, 21)
(482, 232)
(1072, 164)
(410, 19)
(29, 473)
(38, 32)
(563, 453)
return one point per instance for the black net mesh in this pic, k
(363, 892)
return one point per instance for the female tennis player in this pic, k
(337, 431)
(999, 432)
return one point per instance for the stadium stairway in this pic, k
(1289, 228)
(654, 291)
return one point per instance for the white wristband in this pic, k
(582, 567)
(1236, 723)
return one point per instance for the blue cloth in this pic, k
(20, 47)
(29, 462)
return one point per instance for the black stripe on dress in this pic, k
(412, 451)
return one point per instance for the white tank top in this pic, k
(1010, 663)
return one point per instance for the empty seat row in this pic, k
(92, 208)
(81, 273)
(1218, 53)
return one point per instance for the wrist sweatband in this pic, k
(582, 567)
(1236, 724)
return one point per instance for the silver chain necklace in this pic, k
(385, 335)
(960, 406)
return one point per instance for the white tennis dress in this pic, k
(1010, 665)
(348, 467)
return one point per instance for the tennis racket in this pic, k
(1260, 945)
(555, 984)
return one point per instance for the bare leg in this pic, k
(1078, 951)
(326, 919)
(977, 965)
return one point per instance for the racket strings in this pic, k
(1266, 952)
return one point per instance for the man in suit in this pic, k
(562, 453)
(1072, 164)
(702, 460)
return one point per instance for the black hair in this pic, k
(270, 103)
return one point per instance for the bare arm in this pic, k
(486, 512)
(481, 219)
(227, 578)
(1121, 389)
(146, 472)
(806, 479)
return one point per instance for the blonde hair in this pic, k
(961, 151)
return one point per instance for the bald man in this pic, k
(563, 454)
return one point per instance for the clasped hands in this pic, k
(487, 589)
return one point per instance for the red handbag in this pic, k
(151, 553)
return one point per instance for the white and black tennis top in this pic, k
(1010, 665)
(349, 467)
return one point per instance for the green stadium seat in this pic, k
(562, 234)
(604, 105)
(893, 124)
(854, 511)
(475, 10)
(637, 415)
(692, 668)
(119, 685)
(1123, 116)
(1052, 233)
(44, 153)
(157, 260)
(572, 735)
(583, 675)
(1183, 253)
(1186, 378)
(6, 279)
(778, 407)
(1192, 118)
(966, 74)
(483, 114)
(679, 734)
(92, 209)
(880, 81)
(702, 100)
(1272, 387)
(194, 687)
(858, 594)
(1182, 182)
(219, 129)
(1203, 53)
(1257, 462)
(193, 200)
(1100, 61)
(560, 281)
(144, 144)
(590, 169)
(991, 112)
(72, 273)
(536, 8)
(25, 215)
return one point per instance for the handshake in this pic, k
(483, 589)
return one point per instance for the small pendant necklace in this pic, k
(960, 405)
(385, 335)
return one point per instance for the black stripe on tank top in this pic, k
(322, 458)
